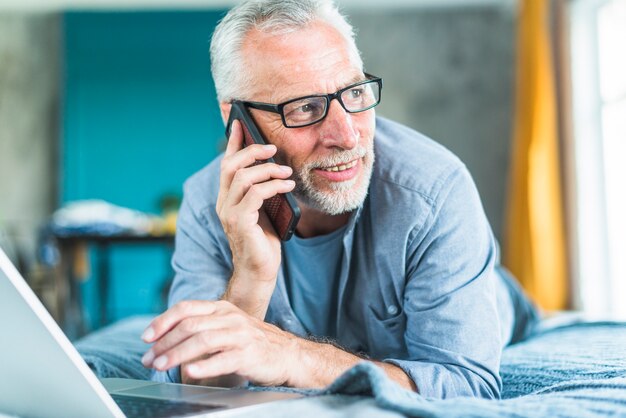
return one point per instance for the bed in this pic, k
(566, 368)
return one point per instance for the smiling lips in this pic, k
(342, 167)
(341, 172)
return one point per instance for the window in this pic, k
(598, 35)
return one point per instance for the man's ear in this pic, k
(225, 110)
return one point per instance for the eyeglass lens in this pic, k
(312, 109)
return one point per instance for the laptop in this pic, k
(44, 376)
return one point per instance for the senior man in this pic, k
(393, 260)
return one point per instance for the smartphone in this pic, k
(282, 209)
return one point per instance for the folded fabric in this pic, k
(99, 217)
(573, 371)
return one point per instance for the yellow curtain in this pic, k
(534, 247)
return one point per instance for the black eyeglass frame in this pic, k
(278, 108)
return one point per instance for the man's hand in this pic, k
(215, 339)
(243, 189)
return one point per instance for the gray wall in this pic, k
(448, 73)
(29, 78)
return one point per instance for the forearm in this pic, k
(398, 375)
(249, 294)
(319, 364)
(309, 364)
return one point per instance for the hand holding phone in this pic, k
(281, 209)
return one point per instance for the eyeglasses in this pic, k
(305, 111)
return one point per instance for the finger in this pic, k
(186, 329)
(245, 178)
(235, 140)
(199, 345)
(219, 364)
(242, 158)
(258, 193)
(244, 217)
(168, 320)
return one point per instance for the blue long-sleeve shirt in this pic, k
(418, 284)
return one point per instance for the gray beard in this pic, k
(344, 196)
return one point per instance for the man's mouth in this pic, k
(341, 167)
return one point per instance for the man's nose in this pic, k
(338, 128)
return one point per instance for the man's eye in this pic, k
(303, 111)
(309, 108)
(306, 108)
(356, 93)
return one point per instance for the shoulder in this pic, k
(202, 188)
(411, 162)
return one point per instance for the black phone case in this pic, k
(282, 209)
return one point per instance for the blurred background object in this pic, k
(535, 249)
(113, 100)
(595, 130)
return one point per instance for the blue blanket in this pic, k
(116, 351)
(577, 370)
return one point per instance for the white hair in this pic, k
(270, 16)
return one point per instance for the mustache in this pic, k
(340, 157)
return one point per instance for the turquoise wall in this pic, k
(139, 117)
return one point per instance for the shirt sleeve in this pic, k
(452, 334)
(200, 261)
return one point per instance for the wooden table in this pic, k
(69, 296)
